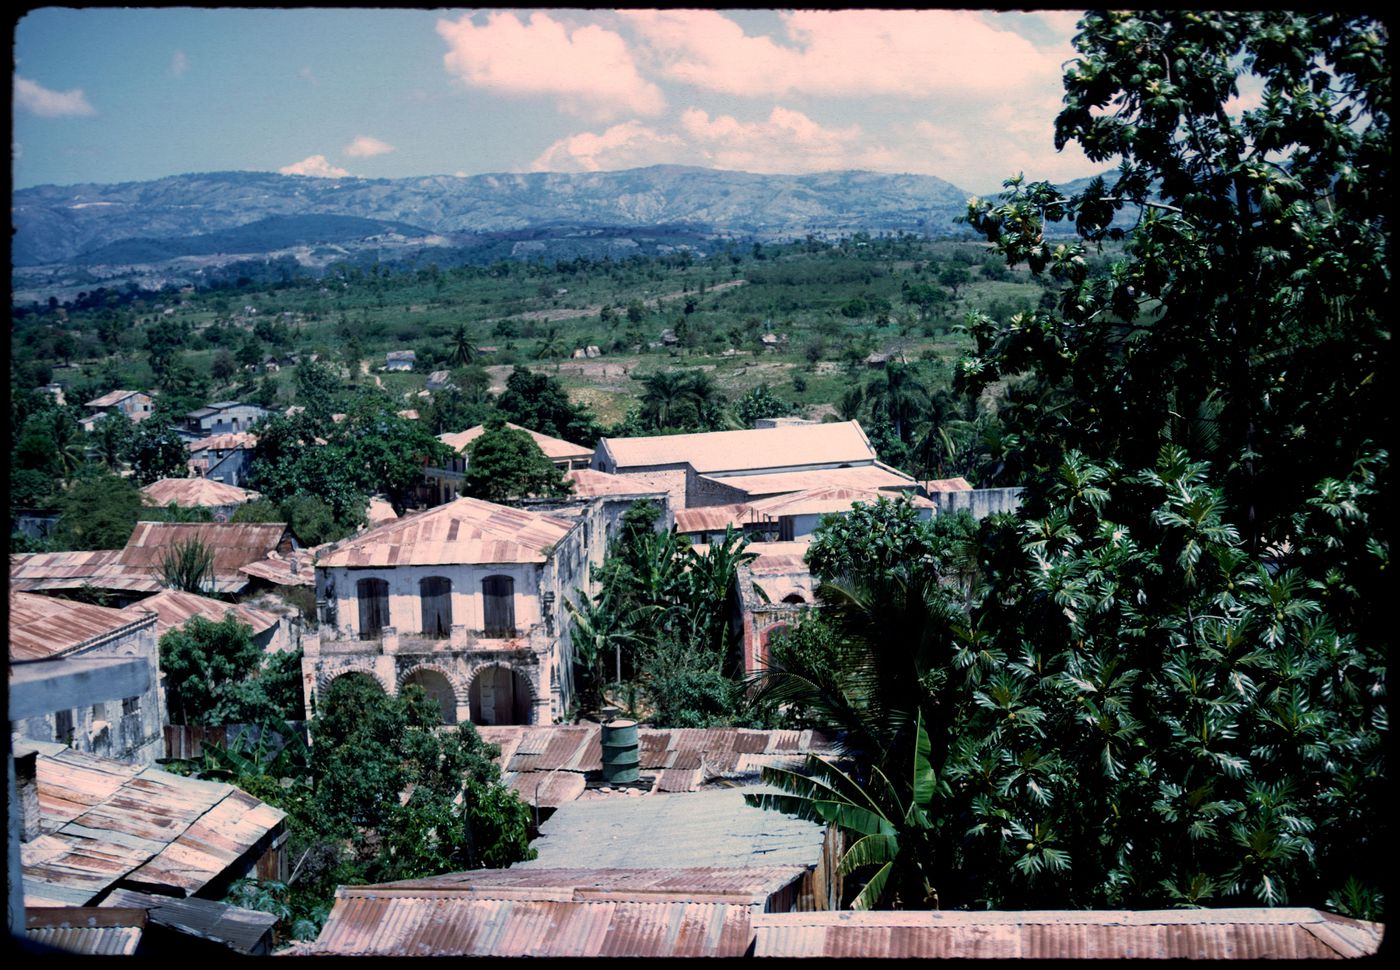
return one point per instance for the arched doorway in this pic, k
(439, 691)
(501, 695)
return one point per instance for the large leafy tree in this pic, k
(505, 463)
(157, 451)
(1163, 685)
(538, 401)
(213, 675)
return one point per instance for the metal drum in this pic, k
(621, 754)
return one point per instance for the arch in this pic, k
(435, 605)
(373, 595)
(438, 686)
(501, 694)
(498, 606)
(794, 598)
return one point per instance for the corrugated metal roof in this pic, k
(825, 500)
(378, 922)
(224, 442)
(757, 883)
(714, 518)
(703, 828)
(779, 558)
(91, 932)
(863, 477)
(29, 570)
(947, 485)
(233, 544)
(189, 493)
(42, 627)
(590, 483)
(109, 399)
(556, 449)
(242, 930)
(174, 608)
(467, 530)
(1162, 934)
(716, 451)
(150, 829)
(295, 568)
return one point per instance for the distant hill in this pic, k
(253, 213)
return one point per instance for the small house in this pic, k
(400, 360)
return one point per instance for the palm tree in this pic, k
(898, 394)
(70, 448)
(666, 394)
(551, 346)
(463, 347)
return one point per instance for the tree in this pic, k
(540, 403)
(98, 512)
(157, 451)
(504, 463)
(759, 402)
(318, 386)
(214, 675)
(463, 352)
(898, 395)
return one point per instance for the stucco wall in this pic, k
(405, 605)
(981, 502)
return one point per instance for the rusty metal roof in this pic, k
(713, 518)
(871, 478)
(32, 570)
(779, 558)
(189, 493)
(242, 930)
(546, 764)
(104, 823)
(467, 530)
(589, 483)
(1162, 934)
(294, 568)
(91, 932)
(716, 451)
(228, 441)
(379, 511)
(757, 883)
(233, 544)
(374, 921)
(556, 449)
(109, 399)
(42, 627)
(175, 608)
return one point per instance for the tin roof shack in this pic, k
(465, 599)
(226, 458)
(197, 493)
(135, 405)
(713, 468)
(444, 484)
(590, 912)
(223, 417)
(1176, 934)
(195, 927)
(52, 637)
(399, 360)
(104, 824)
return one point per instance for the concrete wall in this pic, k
(339, 585)
(981, 502)
(701, 491)
(125, 730)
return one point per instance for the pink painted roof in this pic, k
(716, 451)
(466, 530)
(189, 493)
(863, 477)
(589, 482)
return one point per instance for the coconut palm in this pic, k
(463, 347)
(897, 394)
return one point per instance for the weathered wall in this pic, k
(701, 491)
(981, 502)
(339, 585)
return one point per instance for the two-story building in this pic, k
(223, 417)
(226, 458)
(135, 405)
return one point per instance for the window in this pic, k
(131, 705)
(498, 608)
(374, 607)
(63, 727)
(435, 594)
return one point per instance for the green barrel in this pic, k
(621, 754)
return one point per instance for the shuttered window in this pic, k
(374, 607)
(435, 593)
(498, 595)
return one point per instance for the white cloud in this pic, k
(846, 53)
(179, 64)
(365, 147)
(314, 165)
(589, 71)
(36, 99)
(628, 145)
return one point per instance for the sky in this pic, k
(123, 94)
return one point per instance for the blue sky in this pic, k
(113, 95)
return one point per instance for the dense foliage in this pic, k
(505, 463)
(216, 674)
(1163, 684)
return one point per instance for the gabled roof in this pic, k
(189, 493)
(42, 627)
(105, 822)
(713, 518)
(556, 449)
(467, 530)
(825, 500)
(753, 450)
(1182, 934)
(42, 570)
(234, 545)
(110, 399)
(174, 608)
(295, 568)
(589, 483)
(871, 477)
